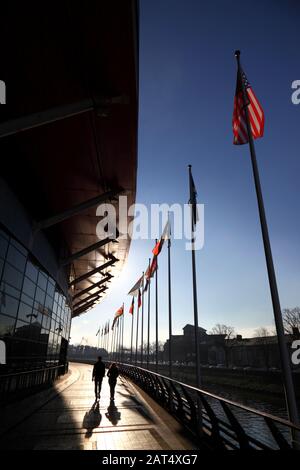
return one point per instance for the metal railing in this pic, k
(215, 422)
(16, 384)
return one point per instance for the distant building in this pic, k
(259, 352)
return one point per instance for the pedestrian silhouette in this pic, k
(98, 374)
(112, 375)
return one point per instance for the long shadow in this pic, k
(113, 415)
(92, 419)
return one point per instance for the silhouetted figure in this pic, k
(113, 415)
(112, 375)
(92, 419)
(98, 374)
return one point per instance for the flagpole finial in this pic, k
(237, 53)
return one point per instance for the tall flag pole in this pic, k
(122, 339)
(131, 310)
(194, 219)
(248, 124)
(156, 313)
(148, 286)
(170, 302)
(97, 334)
(142, 323)
(137, 326)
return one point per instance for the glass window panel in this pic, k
(50, 288)
(7, 289)
(12, 276)
(27, 300)
(42, 280)
(7, 325)
(16, 258)
(8, 305)
(46, 322)
(3, 244)
(21, 329)
(19, 246)
(28, 287)
(40, 296)
(31, 271)
(49, 303)
(25, 312)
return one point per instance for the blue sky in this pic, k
(187, 84)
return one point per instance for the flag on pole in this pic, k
(165, 236)
(135, 289)
(118, 314)
(139, 299)
(132, 306)
(98, 332)
(150, 271)
(255, 111)
(193, 201)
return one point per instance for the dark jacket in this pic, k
(99, 370)
(112, 374)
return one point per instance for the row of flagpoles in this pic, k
(248, 124)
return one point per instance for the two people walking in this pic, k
(98, 375)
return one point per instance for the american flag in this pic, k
(255, 111)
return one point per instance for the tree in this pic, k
(291, 319)
(226, 330)
(261, 334)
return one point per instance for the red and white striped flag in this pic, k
(131, 306)
(256, 113)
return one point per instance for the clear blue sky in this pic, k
(187, 84)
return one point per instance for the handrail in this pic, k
(219, 426)
(23, 372)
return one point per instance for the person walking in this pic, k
(98, 374)
(112, 375)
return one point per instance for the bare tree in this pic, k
(261, 334)
(226, 330)
(291, 319)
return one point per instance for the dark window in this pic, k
(7, 325)
(50, 289)
(12, 276)
(42, 281)
(7, 289)
(8, 305)
(28, 287)
(31, 271)
(40, 296)
(25, 312)
(16, 258)
(22, 328)
(27, 300)
(1, 266)
(49, 303)
(19, 246)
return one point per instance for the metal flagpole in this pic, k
(156, 314)
(196, 328)
(285, 360)
(137, 329)
(122, 336)
(170, 302)
(148, 333)
(131, 331)
(142, 326)
(99, 338)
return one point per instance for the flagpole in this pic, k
(170, 303)
(285, 361)
(131, 343)
(99, 338)
(137, 330)
(122, 350)
(156, 313)
(148, 333)
(142, 326)
(196, 328)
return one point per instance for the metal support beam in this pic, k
(84, 308)
(95, 296)
(77, 209)
(87, 250)
(93, 286)
(94, 271)
(31, 121)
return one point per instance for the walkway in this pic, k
(68, 418)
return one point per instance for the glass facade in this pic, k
(35, 317)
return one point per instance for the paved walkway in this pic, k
(68, 418)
